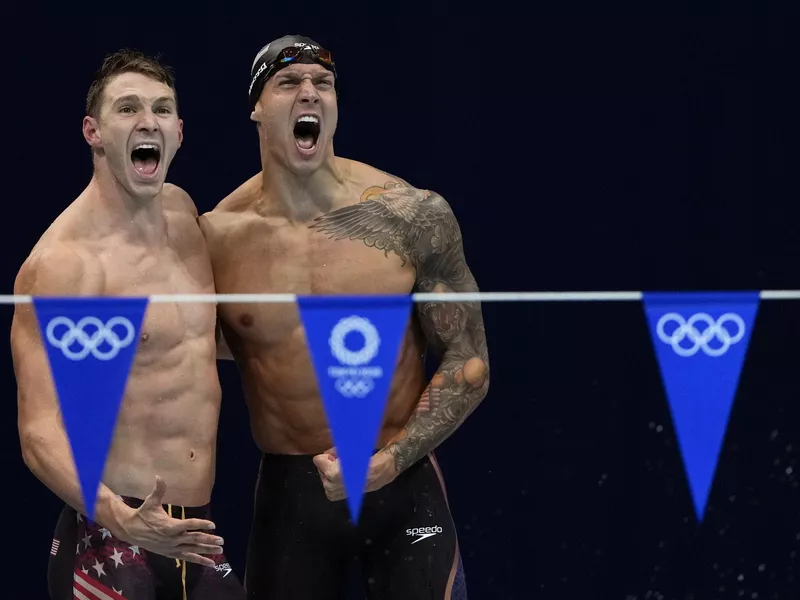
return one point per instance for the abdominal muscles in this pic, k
(287, 413)
(167, 423)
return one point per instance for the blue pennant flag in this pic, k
(90, 345)
(354, 342)
(701, 341)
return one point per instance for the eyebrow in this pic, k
(296, 76)
(136, 99)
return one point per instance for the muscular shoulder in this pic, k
(59, 268)
(232, 210)
(413, 223)
(177, 200)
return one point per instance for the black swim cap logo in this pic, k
(261, 69)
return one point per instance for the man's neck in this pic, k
(114, 209)
(300, 198)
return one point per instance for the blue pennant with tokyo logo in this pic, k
(354, 342)
(90, 344)
(701, 341)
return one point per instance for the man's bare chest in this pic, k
(166, 325)
(301, 261)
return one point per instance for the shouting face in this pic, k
(136, 132)
(297, 114)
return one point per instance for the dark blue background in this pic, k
(583, 146)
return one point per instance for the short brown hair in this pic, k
(126, 61)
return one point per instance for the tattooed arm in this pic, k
(454, 331)
(419, 226)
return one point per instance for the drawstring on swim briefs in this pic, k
(177, 560)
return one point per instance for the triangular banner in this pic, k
(354, 343)
(90, 345)
(701, 341)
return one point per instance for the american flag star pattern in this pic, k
(107, 568)
(97, 544)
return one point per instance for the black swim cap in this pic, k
(281, 53)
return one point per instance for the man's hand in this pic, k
(151, 528)
(381, 472)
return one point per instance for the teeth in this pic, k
(146, 147)
(308, 119)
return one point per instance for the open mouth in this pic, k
(145, 159)
(306, 132)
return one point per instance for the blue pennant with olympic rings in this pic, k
(354, 342)
(701, 340)
(90, 345)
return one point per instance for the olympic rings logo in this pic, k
(90, 343)
(354, 382)
(348, 325)
(714, 330)
(354, 388)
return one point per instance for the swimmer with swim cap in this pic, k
(290, 49)
(311, 222)
(130, 233)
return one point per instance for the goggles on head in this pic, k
(286, 57)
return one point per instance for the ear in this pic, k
(257, 112)
(180, 132)
(91, 132)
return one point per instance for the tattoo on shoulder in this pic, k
(414, 224)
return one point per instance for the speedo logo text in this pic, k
(422, 533)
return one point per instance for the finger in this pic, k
(197, 537)
(157, 495)
(196, 558)
(326, 468)
(321, 462)
(194, 524)
(334, 492)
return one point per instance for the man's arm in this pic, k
(45, 447)
(454, 331)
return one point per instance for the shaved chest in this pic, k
(299, 260)
(166, 325)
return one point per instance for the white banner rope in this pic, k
(455, 297)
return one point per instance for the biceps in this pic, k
(446, 273)
(455, 330)
(445, 324)
(450, 323)
(456, 333)
(35, 393)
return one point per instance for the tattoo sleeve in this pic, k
(456, 333)
(419, 226)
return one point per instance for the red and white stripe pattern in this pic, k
(86, 588)
(54, 547)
